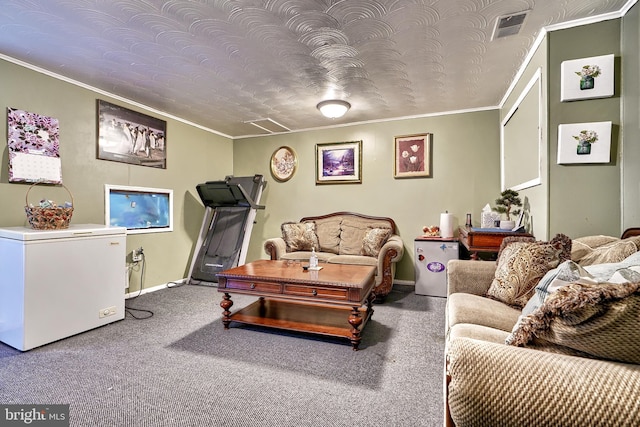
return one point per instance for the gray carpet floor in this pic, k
(181, 368)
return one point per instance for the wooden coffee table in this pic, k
(330, 301)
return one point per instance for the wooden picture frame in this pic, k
(339, 163)
(284, 163)
(127, 136)
(413, 156)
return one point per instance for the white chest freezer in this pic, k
(430, 258)
(58, 283)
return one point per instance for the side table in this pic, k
(487, 241)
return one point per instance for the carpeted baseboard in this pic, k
(181, 368)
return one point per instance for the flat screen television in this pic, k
(139, 209)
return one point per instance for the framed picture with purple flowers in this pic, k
(587, 78)
(413, 156)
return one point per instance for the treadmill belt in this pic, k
(222, 247)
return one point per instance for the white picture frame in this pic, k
(572, 72)
(569, 139)
(139, 209)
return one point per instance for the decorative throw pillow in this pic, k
(614, 251)
(601, 320)
(374, 240)
(299, 236)
(511, 239)
(521, 265)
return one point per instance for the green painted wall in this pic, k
(466, 176)
(584, 199)
(535, 198)
(193, 156)
(631, 118)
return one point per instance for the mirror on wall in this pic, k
(520, 139)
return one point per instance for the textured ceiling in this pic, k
(221, 63)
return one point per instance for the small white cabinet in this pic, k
(58, 283)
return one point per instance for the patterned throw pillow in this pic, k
(521, 265)
(600, 320)
(374, 240)
(299, 236)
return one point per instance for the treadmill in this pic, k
(230, 210)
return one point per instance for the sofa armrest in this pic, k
(275, 247)
(394, 242)
(513, 386)
(472, 277)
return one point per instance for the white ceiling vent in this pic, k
(509, 25)
(268, 125)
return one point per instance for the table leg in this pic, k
(226, 304)
(355, 320)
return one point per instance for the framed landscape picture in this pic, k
(130, 137)
(412, 156)
(339, 163)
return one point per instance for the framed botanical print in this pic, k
(587, 78)
(339, 163)
(284, 163)
(412, 156)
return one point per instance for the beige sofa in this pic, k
(580, 368)
(343, 238)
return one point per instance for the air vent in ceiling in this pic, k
(509, 25)
(268, 125)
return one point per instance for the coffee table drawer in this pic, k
(315, 291)
(268, 287)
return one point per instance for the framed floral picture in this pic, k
(412, 156)
(339, 163)
(284, 163)
(584, 143)
(587, 78)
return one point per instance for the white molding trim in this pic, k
(154, 288)
(105, 93)
(562, 26)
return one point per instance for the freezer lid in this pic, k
(74, 230)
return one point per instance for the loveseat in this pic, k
(569, 357)
(343, 238)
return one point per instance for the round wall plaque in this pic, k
(284, 163)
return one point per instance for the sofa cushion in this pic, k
(299, 236)
(328, 232)
(373, 241)
(521, 266)
(602, 249)
(602, 320)
(477, 332)
(353, 231)
(478, 310)
(352, 259)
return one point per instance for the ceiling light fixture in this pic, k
(333, 108)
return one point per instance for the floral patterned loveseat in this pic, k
(343, 238)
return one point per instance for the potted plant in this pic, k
(507, 204)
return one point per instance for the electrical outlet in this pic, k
(136, 255)
(106, 312)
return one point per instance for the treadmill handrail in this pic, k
(252, 203)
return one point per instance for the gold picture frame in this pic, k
(413, 156)
(339, 163)
(284, 163)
